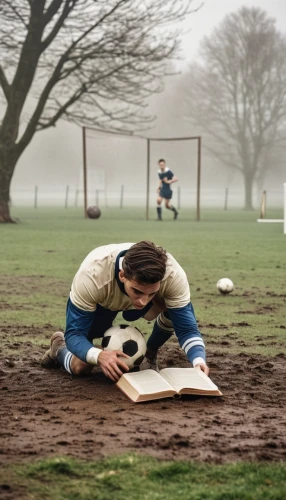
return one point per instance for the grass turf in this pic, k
(38, 259)
(128, 477)
(40, 255)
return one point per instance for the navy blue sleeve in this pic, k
(187, 331)
(78, 324)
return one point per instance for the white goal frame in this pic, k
(274, 220)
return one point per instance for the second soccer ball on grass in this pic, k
(224, 286)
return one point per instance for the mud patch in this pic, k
(48, 412)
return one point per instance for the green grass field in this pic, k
(49, 244)
(45, 249)
(143, 478)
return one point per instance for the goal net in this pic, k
(122, 170)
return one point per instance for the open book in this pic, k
(169, 382)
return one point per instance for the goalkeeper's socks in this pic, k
(162, 331)
(64, 358)
(176, 213)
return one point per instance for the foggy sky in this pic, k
(212, 12)
(54, 158)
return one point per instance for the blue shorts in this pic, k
(166, 194)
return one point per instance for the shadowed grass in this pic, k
(129, 477)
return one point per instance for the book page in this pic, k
(191, 378)
(148, 382)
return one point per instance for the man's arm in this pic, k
(78, 323)
(170, 181)
(159, 187)
(189, 336)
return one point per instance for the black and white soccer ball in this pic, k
(127, 339)
(225, 286)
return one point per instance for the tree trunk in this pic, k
(7, 166)
(248, 184)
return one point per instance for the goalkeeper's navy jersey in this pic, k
(96, 284)
(165, 190)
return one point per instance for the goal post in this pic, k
(128, 153)
(86, 165)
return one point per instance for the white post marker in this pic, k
(284, 207)
(279, 220)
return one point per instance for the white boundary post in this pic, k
(285, 208)
(263, 205)
(278, 220)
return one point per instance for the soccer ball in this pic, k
(127, 339)
(224, 285)
(93, 212)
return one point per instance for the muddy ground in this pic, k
(47, 413)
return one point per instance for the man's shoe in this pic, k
(176, 215)
(150, 361)
(49, 360)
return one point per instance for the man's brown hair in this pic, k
(144, 262)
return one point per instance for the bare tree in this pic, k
(88, 61)
(237, 93)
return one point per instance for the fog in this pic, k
(202, 22)
(53, 161)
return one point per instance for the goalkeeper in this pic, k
(164, 191)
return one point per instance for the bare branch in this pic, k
(117, 68)
(237, 93)
(4, 84)
(16, 11)
(49, 15)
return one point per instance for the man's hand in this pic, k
(110, 363)
(203, 367)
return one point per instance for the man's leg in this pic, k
(162, 331)
(59, 355)
(159, 208)
(171, 207)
